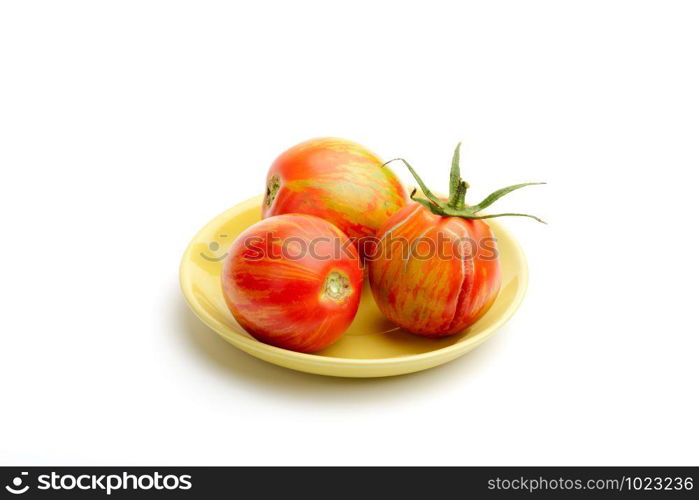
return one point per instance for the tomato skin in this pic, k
(336, 180)
(436, 296)
(280, 295)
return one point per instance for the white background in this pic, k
(126, 126)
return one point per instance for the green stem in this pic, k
(455, 174)
(458, 197)
(456, 205)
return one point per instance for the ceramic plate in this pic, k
(372, 346)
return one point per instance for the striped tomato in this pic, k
(435, 269)
(336, 180)
(427, 293)
(293, 281)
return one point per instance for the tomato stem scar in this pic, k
(337, 286)
(273, 185)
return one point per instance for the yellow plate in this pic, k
(372, 346)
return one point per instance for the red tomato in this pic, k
(336, 180)
(293, 281)
(435, 269)
(426, 277)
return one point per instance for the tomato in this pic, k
(427, 293)
(293, 281)
(336, 180)
(435, 269)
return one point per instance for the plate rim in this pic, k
(251, 344)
